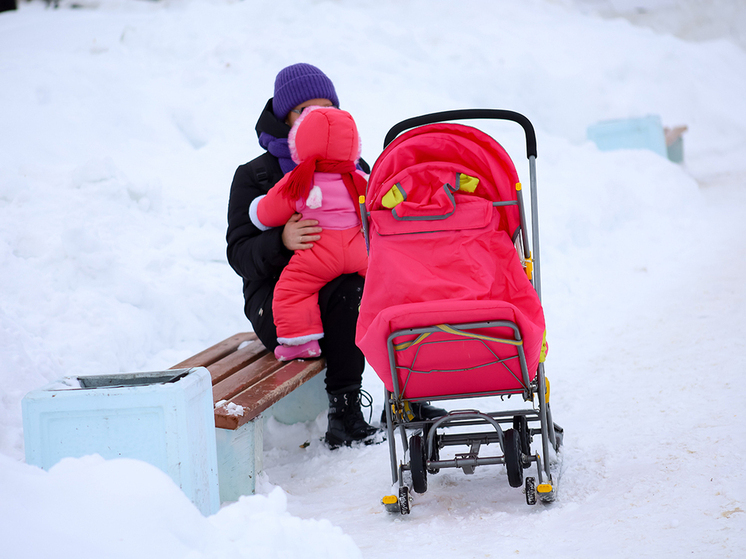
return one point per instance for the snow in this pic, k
(230, 407)
(122, 123)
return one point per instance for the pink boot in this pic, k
(303, 351)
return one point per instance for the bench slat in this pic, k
(245, 377)
(267, 391)
(250, 377)
(216, 352)
(236, 361)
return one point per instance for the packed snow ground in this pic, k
(121, 125)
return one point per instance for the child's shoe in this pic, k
(303, 351)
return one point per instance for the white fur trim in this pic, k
(294, 131)
(315, 198)
(300, 339)
(253, 215)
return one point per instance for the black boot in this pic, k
(423, 411)
(346, 422)
(419, 411)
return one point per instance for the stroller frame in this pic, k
(423, 447)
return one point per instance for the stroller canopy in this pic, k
(446, 148)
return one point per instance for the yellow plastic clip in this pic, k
(406, 410)
(361, 200)
(393, 197)
(518, 186)
(544, 351)
(544, 488)
(546, 392)
(467, 183)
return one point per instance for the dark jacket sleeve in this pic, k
(255, 255)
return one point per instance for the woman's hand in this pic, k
(300, 234)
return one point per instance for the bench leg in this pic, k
(239, 459)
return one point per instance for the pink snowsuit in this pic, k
(322, 138)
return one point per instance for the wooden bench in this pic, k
(248, 381)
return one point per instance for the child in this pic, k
(325, 186)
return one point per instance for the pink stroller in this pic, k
(451, 307)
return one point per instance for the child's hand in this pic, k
(300, 234)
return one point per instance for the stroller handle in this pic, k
(467, 114)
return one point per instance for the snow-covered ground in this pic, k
(121, 124)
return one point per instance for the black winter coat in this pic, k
(257, 256)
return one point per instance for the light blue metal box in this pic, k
(631, 133)
(163, 418)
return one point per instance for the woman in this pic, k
(260, 256)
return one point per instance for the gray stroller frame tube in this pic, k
(390, 435)
(364, 223)
(545, 419)
(535, 224)
(547, 424)
(524, 233)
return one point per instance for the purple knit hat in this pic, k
(297, 84)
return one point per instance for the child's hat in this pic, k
(297, 84)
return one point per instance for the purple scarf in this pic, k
(280, 149)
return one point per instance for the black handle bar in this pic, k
(467, 114)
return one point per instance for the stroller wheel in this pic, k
(513, 461)
(417, 463)
(520, 424)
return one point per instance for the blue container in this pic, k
(163, 418)
(633, 133)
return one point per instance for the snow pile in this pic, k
(126, 508)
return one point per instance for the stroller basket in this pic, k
(425, 358)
